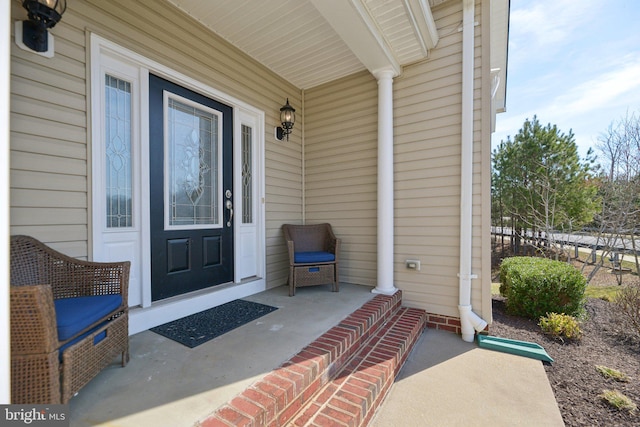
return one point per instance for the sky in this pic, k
(573, 63)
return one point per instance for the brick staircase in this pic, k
(339, 379)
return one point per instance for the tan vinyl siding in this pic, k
(341, 169)
(341, 175)
(331, 178)
(484, 226)
(427, 170)
(50, 146)
(48, 154)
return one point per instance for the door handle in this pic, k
(229, 206)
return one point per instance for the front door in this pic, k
(191, 194)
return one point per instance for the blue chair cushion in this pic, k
(75, 314)
(98, 338)
(312, 257)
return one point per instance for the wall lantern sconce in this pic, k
(43, 15)
(287, 118)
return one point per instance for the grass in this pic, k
(495, 288)
(613, 374)
(631, 265)
(606, 293)
(618, 400)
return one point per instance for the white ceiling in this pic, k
(311, 42)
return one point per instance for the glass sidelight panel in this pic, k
(118, 179)
(247, 178)
(192, 162)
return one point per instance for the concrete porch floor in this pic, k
(444, 382)
(168, 384)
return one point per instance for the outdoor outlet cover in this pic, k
(413, 264)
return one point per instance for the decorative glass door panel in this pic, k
(192, 193)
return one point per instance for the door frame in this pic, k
(144, 314)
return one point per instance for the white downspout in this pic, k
(469, 321)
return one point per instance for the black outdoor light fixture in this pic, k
(43, 14)
(287, 119)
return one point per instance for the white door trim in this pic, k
(142, 316)
(249, 256)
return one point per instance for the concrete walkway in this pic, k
(448, 382)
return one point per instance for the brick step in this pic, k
(279, 396)
(352, 398)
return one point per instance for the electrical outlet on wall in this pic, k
(412, 264)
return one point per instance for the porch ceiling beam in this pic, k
(423, 23)
(355, 26)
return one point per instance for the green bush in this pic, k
(534, 287)
(560, 325)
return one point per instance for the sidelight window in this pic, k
(118, 177)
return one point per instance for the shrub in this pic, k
(534, 287)
(560, 325)
(618, 400)
(627, 305)
(613, 374)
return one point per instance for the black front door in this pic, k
(190, 167)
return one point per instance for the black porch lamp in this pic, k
(43, 14)
(287, 119)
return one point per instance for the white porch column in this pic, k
(5, 94)
(385, 182)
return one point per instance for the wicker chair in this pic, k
(69, 320)
(313, 256)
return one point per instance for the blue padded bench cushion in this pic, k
(75, 314)
(98, 338)
(311, 257)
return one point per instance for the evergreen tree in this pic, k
(541, 184)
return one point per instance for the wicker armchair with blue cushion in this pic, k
(69, 320)
(313, 255)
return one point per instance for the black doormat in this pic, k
(201, 327)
